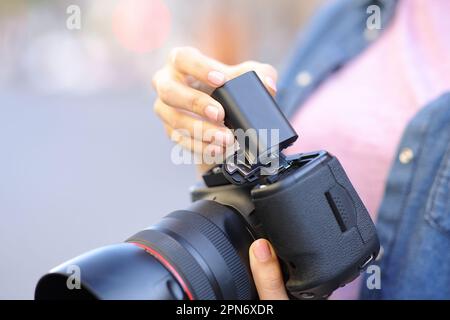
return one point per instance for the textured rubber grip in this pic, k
(318, 226)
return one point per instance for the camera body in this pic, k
(304, 204)
(318, 225)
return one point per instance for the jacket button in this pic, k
(303, 79)
(406, 155)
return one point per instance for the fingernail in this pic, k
(217, 78)
(261, 250)
(271, 84)
(212, 112)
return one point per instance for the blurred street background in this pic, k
(83, 160)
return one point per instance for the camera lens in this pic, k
(121, 271)
(197, 253)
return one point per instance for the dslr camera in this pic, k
(304, 204)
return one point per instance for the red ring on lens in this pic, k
(167, 264)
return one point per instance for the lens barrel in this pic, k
(197, 253)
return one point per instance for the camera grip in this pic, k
(318, 226)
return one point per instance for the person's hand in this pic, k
(266, 271)
(184, 105)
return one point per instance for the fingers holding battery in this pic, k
(189, 125)
(172, 92)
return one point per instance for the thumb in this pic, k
(266, 271)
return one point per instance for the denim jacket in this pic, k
(414, 217)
